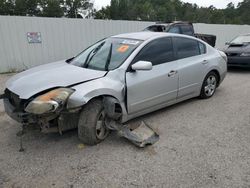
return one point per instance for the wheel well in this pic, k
(218, 75)
(111, 104)
(101, 97)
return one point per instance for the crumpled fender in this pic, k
(104, 86)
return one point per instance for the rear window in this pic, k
(174, 29)
(187, 30)
(156, 28)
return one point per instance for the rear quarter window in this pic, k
(203, 48)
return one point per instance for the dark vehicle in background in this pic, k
(185, 28)
(238, 51)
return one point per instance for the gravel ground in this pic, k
(203, 143)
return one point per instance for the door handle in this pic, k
(204, 62)
(172, 73)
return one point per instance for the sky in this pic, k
(204, 3)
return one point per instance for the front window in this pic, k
(241, 40)
(157, 52)
(107, 54)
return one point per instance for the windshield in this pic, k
(241, 39)
(107, 54)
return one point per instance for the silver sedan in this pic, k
(114, 80)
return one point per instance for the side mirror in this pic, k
(227, 43)
(142, 65)
(70, 59)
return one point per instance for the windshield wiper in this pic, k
(93, 52)
(109, 57)
(236, 44)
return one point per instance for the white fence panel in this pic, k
(224, 33)
(62, 38)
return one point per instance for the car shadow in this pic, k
(164, 110)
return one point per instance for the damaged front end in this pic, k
(48, 110)
(50, 102)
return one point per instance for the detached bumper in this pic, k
(238, 61)
(20, 117)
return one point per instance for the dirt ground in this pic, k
(203, 143)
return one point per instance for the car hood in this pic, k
(44, 77)
(238, 48)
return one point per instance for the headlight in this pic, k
(245, 54)
(49, 102)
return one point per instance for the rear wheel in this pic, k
(209, 85)
(91, 127)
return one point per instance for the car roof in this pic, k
(171, 23)
(160, 24)
(144, 35)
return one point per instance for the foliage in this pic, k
(48, 8)
(147, 10)
(170, 10)
(72, 7)
(6, 7)
(52, 8)
(26, 7)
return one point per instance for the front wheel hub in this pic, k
(101, 128)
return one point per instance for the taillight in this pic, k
(223, 55)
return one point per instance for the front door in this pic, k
(147, 89)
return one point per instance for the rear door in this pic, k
(146, 89)
(192, 65)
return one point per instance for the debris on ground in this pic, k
(140, 136)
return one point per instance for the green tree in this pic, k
(104, 13)
(170, 10)
(20, 8)
(72, 7)
(52, 8)
(148, 10)
(244, 11)
(6, 7)
(27, 7)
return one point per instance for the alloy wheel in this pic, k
(211, 84)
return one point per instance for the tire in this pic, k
(91, 127)
(209, 85)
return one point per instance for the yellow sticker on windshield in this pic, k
(123, 48)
